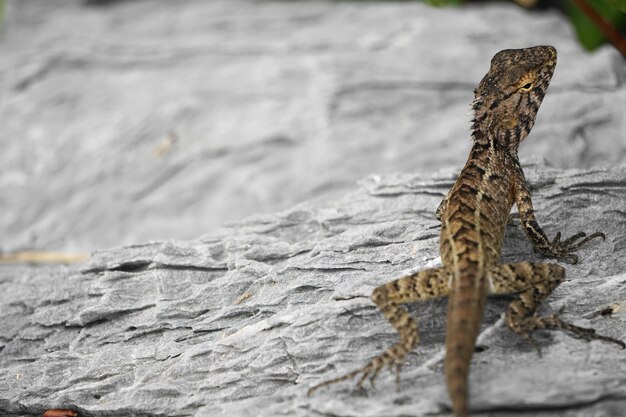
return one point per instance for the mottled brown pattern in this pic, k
(473, 217)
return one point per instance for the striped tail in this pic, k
(465, 312)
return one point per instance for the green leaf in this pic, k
(442, 3)
(589, 35)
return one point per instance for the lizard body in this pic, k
(473, 218)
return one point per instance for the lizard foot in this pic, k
(584, 333)
(526, 327)
(370, 371)
(562, 249)
(555, 323)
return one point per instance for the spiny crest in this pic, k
(509, 95)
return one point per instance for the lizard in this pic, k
(474, 215)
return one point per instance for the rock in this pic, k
(140, 120)
(243, 320)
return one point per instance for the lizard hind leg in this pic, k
(390, 297)
(534, 282)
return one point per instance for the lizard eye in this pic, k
(526, 87)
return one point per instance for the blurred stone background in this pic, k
(137, 120)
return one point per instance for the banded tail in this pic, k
(465, 312)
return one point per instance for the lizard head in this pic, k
(508, 97)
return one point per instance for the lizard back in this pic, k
(471, 239)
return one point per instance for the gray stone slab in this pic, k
(269, 104)
(242, 321)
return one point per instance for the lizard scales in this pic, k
(473, 218)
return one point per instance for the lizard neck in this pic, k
(497, 139)
(501, 131)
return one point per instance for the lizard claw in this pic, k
(373, 376)
(585, 333)
(533, 342)
(398, 366)
(562, 249)
(368, 373)
(572, 258)
(361, 381)
(589, 334)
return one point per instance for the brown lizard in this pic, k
(473, 218)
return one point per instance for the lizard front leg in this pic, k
(390, 297)
(534, 282)
(557, 248)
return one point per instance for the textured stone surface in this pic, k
(243, 320)
(271, 103)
